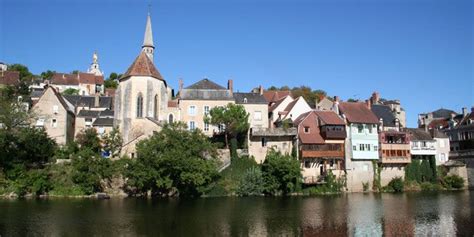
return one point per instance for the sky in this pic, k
(418, 51)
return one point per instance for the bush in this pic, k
(88, 170)
(426, 186)
(332, 185)
(453, 182)
(396, 185)
(252, 183)
(281, 173)
(365, 186)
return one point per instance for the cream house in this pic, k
(196, 100)
(55, 115)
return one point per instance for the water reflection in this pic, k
(413, 214)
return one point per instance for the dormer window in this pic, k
(306, 129)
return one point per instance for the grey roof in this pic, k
(252, 98)
(206, 84)
(384, 112)
(88, 113)
(148, 39)
(109, 122)
(418, 134)
(443, 113)
(88, 101)
(439, 134)
(107, 113)
(273, 132)
(36, 93)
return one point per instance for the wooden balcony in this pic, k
(333, 132)
(395, 153)
(323, 151)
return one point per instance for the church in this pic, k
(142, 97)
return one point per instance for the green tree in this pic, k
(174, 161)
(88, 170)
(233, 117)
(89, 139)
(111, 84)
(251, 183)
(47, 75)
(71, 91)
(75, 72)
(281, 173)
(13, 113)
(25, 74)
(113, 142)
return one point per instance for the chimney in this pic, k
(397, 124)
(96, 100)
(369, 104)
(336, 99)
(230, 86)
(180, 82)
(375, 98)
(464, 111)
(335, 106)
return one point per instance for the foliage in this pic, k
(331, 185)
(13, 114)
(396, 185)
(311, 96)
(88, 170)
(233, 148)
(173, 160)
(234, 118)
(453, 182)
(421, 171)
(365, 186)
(252, 183)
(427, 186)
(111, 81)
(25, 73)
(71, 91)
(65, 152)
(281, 173)
(113, 142)
(46, 75)
(89, 139)
(377, 185)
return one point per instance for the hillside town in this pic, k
(359, 140)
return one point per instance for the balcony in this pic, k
(333, 132)
(395, 153)
(324, 150)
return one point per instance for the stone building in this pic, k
(55, 115)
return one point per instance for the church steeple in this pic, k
(148, 46)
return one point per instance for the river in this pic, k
(408, 214)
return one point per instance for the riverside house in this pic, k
(362, 142)
(321, 136)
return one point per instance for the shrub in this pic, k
(453, 182)
(365, 186)
(396, 185)
(281, 173)
(426, 186)
(252, 183)
(332, 185)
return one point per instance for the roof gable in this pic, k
(143, 66)
(329, 118)
(357, 112)
(205, 84)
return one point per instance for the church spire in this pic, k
(148, 46)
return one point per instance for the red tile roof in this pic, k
(143, 66)
(273, 96)
(357, 112)
(309, 120)
(173, 103)
(110, 92)
(438, 123)
(76, 79)
(9, 78)
(330, 118)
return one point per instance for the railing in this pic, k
(324, 147)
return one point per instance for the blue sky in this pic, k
(419, 51)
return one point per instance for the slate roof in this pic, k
(107, 113)
(143, 66)
(438, 134)
(443, 113)
(252, 98)
(109, 122)
(206, 84)
(357, 112)
(329, 118)
(9, 78)
(88, 101)
(272, 96)
(418, 134)
(384, 112)
(88, 113)
(35, 93)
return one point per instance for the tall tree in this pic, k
(25, 74)
(233, 117)
(113, 142)
(89, 139)
(281, 173)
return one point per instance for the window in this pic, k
(361, 147)
(257, 115)
(88, 122)
(367, 147)
(331, 163)
(206, 110)
(192, 110)
(443, 157)
(55, 109)
(307, 164)
(441, 143)
(101, 130)
(54, 123)
(306, 129)
(170, 118)
(264, 142)
(360, 128)
(155, 108)
(221, 127)
(140, 106)
(40, 122)
(192, 125)
(370, 128)
(354, 148)
(206, 127)
(376, 148)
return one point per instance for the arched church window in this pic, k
(155, 107)
(170, 118)
(139, 106)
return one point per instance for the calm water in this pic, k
(444, 214)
